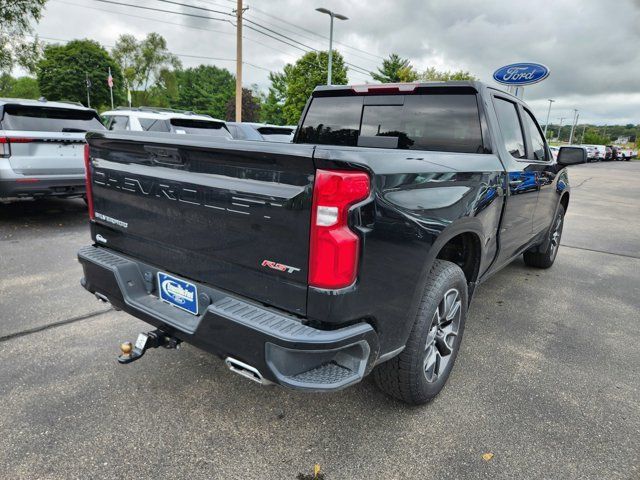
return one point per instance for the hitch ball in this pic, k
(126, 349)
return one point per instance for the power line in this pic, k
(195, 7)
(262, 44)
(379, 57)
(262, 12)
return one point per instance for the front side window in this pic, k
(537, 141)
(510, 127)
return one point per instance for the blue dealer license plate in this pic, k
(178, 293)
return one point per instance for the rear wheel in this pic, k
(544, 259)
(421, 370)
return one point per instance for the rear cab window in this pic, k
(448, 122)
(49, 119)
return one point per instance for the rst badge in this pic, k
(178, 293)
(281, 267)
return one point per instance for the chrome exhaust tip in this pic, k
(245, 370)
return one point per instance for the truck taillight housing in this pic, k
(87, 179)
(334, 247)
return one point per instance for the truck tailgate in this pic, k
(232, 214)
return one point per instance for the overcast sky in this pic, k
(590, 46)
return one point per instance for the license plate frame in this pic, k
(177, 292)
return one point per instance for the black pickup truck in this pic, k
(355, 249)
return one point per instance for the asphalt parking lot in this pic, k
(547, 381)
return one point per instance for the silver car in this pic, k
(42, 147)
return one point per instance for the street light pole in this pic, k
(560, 128)
(547, 122)
(576, 115)
(339, 17)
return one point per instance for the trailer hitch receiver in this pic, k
(156, 338)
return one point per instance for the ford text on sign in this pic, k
(521, 74)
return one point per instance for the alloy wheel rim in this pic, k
(442, 335)
(555, 237)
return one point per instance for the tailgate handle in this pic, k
(164, 156)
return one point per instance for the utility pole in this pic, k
(339, 17)
(239, 12)
(583, 130)
(560, 128)
(576, 115)
(547, 122)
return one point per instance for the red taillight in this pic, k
(334, 248)
(87, 179)
(5, 144)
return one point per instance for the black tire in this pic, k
(544, 258)
(434, 340)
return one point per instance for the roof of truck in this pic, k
(397, 87)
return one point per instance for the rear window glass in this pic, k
(442, 122)
(49, 119)
(202, 127)
(154, 125)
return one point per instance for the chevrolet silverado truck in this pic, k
(355, 249)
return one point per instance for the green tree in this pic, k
(432, 74)
(64, 68)
(592, 137)
(143, 61)
(16, 18)
(395, 69)
(205, 89)
(309, 71)
(271, 110)
(250, 107)
(163, 93)
(22, 87)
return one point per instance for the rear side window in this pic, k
(49, 119)
(118, 122)
(440, 122)
(510, 127)
(154, 125)
(202, 127)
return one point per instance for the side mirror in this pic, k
(572, 156)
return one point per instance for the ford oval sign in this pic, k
(521, 74)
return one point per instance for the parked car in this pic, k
(261, 132)
(356, 249)
(625, 154)
(599, 152)
(41, 148)
(152, 119)
(608, 153)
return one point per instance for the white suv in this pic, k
(42, 148)
(151, 119)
